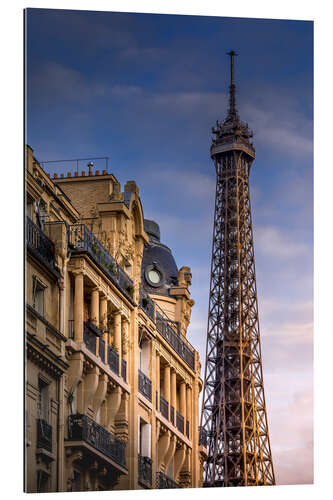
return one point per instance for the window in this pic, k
(38, 288)
(43, 400)
(76, 482)
(144, 355)
(42, 481)
(144, 442)
(29, 207)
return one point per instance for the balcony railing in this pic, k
(168, 329)
(113, 360)
(180, 422)
(187, 428)
(172, 415)
(144, 385)
(164, 407)
(145, 470)
(44, 435)
(203, 437)
(124, 369)
(83, 240)
(39, 244)
(165, 482)
(101, 349)
(147, 304)
(83, 428)
(90, 337)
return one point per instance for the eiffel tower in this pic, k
(234, 410)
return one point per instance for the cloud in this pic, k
(273, 243)
(291, 428)
(279, 125)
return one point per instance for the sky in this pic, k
(145, 91)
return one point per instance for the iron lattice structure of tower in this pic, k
(234, 410)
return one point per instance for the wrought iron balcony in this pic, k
(165, 482)
(187, 429)
(203, 437)
(83, 240)
(172, 415)
(89, 336)
(113, 360)
(180, 422)
(44, 435)
(40, 245)
(164, 407)
(102, 349)
(147, 305)
(83, 428)
(145, 470)
(124, 369)
(168, 329)
(144, 385)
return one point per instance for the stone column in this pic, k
(166, 386)
(94, 306)
(173, 393)
(103, 309)
(78, 308)
(189, 409)
(157, 380)
(124, 344)
(117, 336)
(94, 313)
(182, 401)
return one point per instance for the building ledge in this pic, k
(87, 447)
(71, 344)
(173, 429)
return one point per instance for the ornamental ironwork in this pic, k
(144, 384)
(113, 360)
(81, 239)
(145, 470)
(180, 422)
(39, 244)
(168, 328)
(165, 482)
(234, 410)
(83, 428)
(164, 407)
(44, 435)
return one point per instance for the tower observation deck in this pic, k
(233, 409)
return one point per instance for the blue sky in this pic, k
(145, 91)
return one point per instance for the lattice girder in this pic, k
(233, 411)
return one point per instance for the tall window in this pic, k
(43, 400)
(29, 206)
(144, 356)
(76, 482)
(144, 441)
(38, 289)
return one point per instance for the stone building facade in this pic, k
(112, 383)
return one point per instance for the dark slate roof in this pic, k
(158, 255)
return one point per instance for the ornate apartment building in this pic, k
(112, 383)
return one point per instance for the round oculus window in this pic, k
(154, 276)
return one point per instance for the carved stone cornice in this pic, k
(47, 360)
(52, 328)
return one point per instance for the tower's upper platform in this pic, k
(232, 134)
